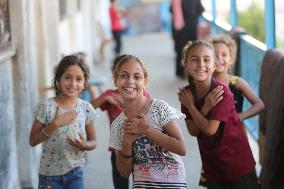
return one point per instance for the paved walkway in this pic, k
(156, 50)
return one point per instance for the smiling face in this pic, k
(223, 58)
(130, 79)
(200, 63)
(72, 81)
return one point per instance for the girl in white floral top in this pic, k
(146, 136)
(65, 127)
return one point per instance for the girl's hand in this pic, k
(118, 99)
(143, 122)
(64, 119)
(79, 143)
(115, 100)
(131, 126)
(185, 97)
(137, 125)
(213, 98)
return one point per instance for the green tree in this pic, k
(252, 20)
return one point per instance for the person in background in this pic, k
(185, 14)
(117, 26)
(225, 152)
(225, 52)
(64, 124)
(111, 101)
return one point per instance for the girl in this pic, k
(65, 126)
(111, 101)
(226, 156)
(225, 53)
(146, 135)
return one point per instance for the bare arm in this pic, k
(98, 101)
(199, 122)
(124, 156)
(208, 127)
(114, 99)
(39, 133)
(256, 103)
(36, 135)
(173, 140)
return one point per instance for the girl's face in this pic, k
(223, 58)
(72, 81)
(130, 81)
(200, 63)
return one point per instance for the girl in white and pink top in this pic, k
(146, 135)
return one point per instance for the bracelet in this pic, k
(125, 156)
(44, 133)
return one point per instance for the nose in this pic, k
(201, 63)
(73, 82)
(218, 57)
(130, 79)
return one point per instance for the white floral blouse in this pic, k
(153, 166)
(58, 157)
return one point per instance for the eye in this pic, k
(123, 76)
(67, 77)
(225, 55)
(193, 59)
(79, 79)
(137, 77)
(207, 60)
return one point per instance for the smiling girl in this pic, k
(225, 152)
(64, 125)
(146, 136)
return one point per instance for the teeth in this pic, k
(129, 89)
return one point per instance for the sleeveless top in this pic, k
(238, 96)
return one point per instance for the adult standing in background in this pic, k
(116, 26)
(185, 14)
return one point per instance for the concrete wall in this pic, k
(25, 66)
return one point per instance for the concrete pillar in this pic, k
(9, 177)
(24, 84)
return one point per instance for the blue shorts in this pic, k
(71, 180)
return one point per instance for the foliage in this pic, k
(253, 21)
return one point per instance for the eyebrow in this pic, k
(68, 74)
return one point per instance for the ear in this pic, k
(115, 83)
(214, 66)
(58, 85)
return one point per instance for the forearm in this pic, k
(123, 164)
(168, 142)
(90, 145)
(124, 159)
(198, 120)
(192, 128)
(42, 134)
(252, 111)
(97, 102)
